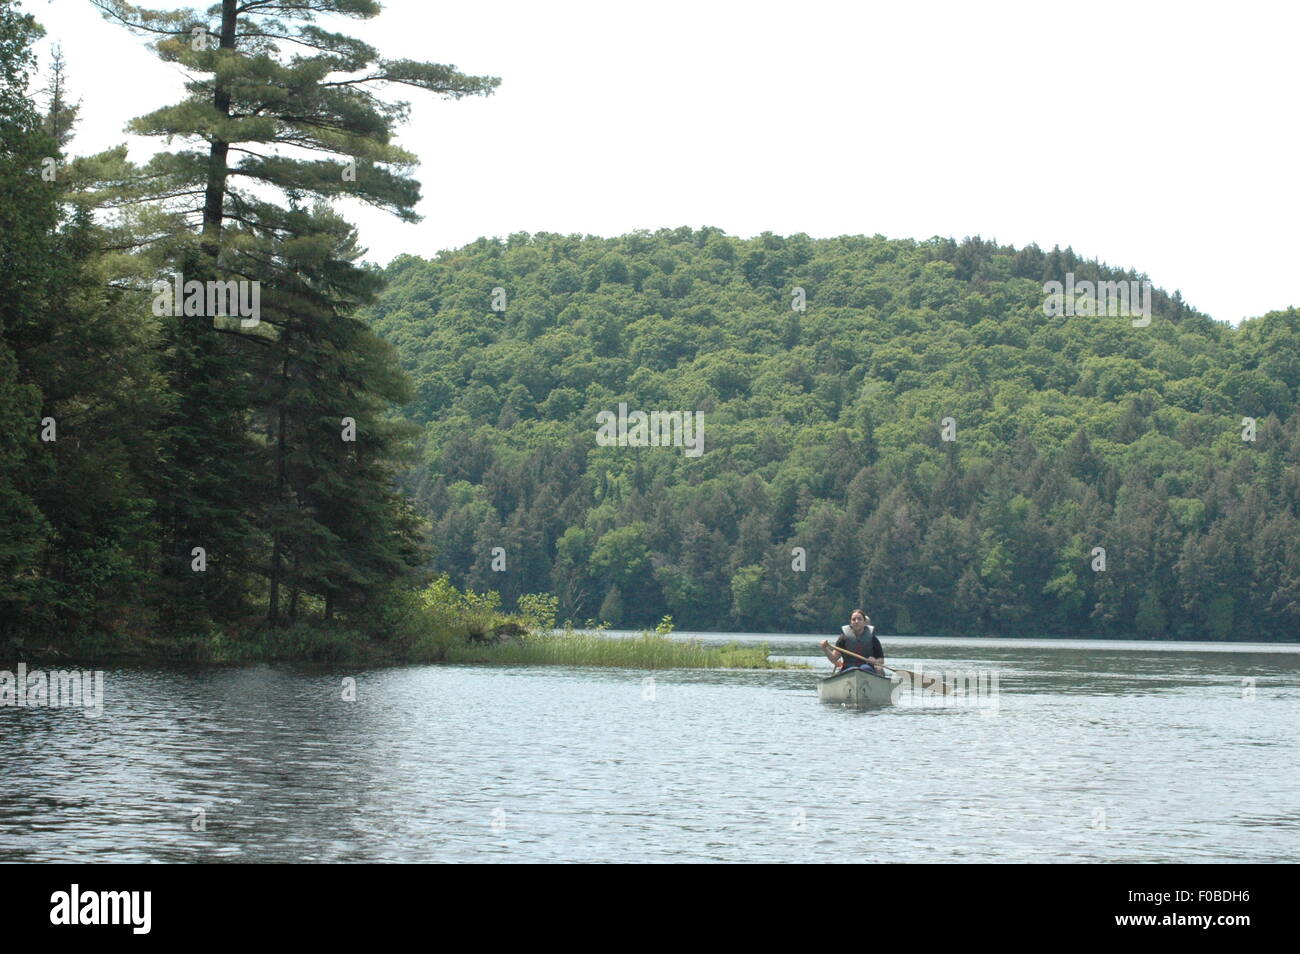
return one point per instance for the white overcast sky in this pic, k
(1156, 136)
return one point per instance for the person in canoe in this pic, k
(858, 637)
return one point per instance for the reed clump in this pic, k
(649, 650)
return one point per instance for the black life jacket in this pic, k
(857, 644)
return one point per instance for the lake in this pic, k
(1090, 752)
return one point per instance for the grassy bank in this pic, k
(436, 624)
(332, 644)
(647, 651)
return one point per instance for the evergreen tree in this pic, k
(268, 84)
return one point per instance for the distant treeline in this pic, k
(887, 424)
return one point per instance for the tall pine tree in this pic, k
(279, 112)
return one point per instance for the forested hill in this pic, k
(831, 475)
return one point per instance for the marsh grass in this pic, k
(647, 651)
(447, 625)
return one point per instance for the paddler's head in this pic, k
(858, 620)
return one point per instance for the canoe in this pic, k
(857, 687)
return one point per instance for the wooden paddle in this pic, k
(925, 684)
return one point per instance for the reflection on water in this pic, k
(1094, 753)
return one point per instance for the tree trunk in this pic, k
(294, 591)
(215, 193)
(277, 548)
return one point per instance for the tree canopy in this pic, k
(825, 370)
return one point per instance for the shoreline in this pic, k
(648, 650)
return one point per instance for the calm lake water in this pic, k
(1095, 752)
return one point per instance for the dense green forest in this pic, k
(942, 451)
(890, 424)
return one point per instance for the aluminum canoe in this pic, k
(857, 687)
